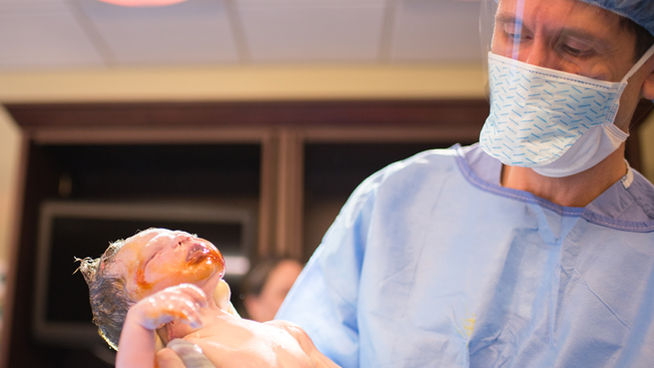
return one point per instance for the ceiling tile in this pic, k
(26, 5)
(43, 34)
(88, 33)
(192, 32)
(305, 31)
(436, 31)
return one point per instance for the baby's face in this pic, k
(155, 259)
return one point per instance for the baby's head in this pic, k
(141, 265)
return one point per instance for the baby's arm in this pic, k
(137, 340)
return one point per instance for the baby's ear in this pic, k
(221, 296)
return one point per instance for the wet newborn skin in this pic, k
(176, 279)
(158, 258)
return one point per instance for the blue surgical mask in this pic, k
(555, 122)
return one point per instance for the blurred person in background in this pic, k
(265, 286)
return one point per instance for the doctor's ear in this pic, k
(648, 87)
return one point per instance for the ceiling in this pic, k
(76, 34)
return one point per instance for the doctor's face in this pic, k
(158, 258)
(565, 35)
(574, 37)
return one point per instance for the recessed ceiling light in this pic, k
(142, 3)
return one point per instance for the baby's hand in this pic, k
(181, 302)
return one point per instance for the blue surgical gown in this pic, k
(431, 263)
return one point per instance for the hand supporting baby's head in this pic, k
(139, 266)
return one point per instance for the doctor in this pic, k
(533, 248)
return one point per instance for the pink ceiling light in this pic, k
(142, 2)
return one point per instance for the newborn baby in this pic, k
(158, 298)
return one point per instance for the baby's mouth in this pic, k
(197, 253)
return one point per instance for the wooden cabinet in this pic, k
(291, 164)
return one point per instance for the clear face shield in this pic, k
(557, 70)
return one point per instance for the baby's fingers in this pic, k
(193, 292)
(190, 314)
(158, 311)
(181, 302)
(191, 299)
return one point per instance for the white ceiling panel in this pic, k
(309, 31)
(46, 34)
(43, 34)
(436, 31)
(192, 32)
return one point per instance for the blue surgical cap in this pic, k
(639, 11)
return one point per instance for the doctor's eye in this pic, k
(576, 48)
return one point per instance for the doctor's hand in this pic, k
(317, 359)
(231, 342)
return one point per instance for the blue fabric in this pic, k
(640, 11)
(432, 264)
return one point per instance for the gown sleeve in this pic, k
(324, 299)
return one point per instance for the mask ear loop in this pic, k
(643, 59)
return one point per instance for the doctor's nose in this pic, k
(539, 54)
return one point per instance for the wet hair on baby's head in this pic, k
(107, 294)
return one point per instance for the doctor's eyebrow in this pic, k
(507, 18)
(567, 31)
